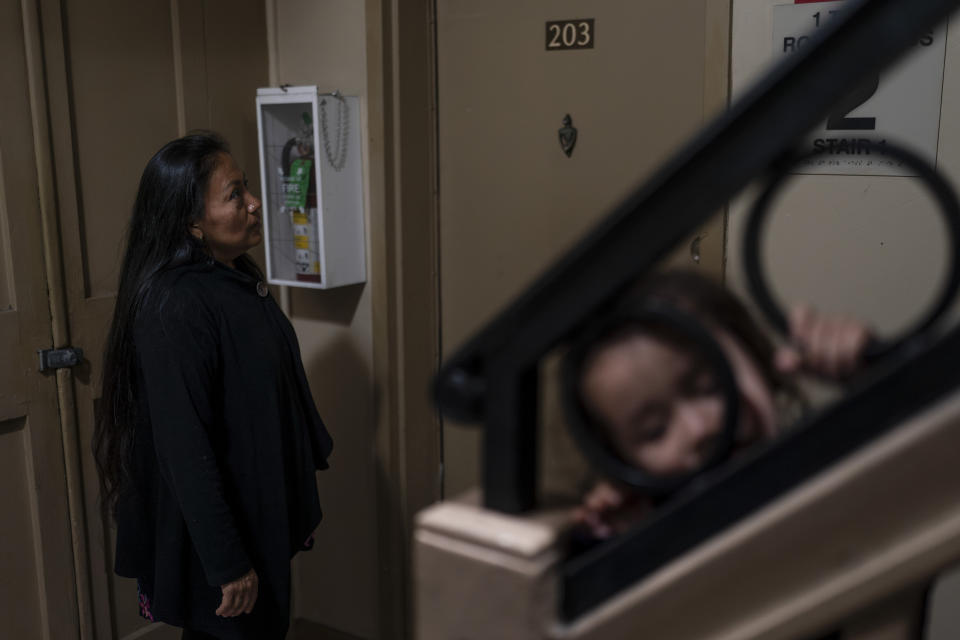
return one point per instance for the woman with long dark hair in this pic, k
(207, 438)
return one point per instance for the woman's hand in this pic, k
(239, 596)
(610, 509)
(825, 345)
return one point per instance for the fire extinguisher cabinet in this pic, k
(310, 172)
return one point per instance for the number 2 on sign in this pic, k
(839, 118)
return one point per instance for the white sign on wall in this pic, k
(902, 104)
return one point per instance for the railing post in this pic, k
(510, 438)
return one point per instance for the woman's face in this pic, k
(662, 405)
(231, 223)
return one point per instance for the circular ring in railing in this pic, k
(586, 430)
(949, 206)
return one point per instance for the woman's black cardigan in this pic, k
(224, 455)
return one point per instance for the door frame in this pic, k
(402, 134)
(40, 53)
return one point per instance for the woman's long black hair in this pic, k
(169, 200)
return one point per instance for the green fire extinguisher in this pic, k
(300, 191)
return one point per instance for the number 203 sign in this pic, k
(901, 104)
(570, 34)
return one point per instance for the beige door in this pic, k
(123, 78)
(511, 200)
(37, 594)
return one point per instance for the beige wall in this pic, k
(323, 43)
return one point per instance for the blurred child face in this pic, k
(662, 405)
